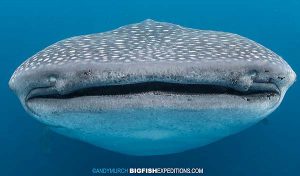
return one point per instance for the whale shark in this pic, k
(152, 88)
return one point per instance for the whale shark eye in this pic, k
(52, 79)
(253, 73)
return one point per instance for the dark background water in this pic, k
(27, 148)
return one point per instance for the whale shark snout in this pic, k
(152, 88)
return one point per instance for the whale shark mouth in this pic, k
(256, 90)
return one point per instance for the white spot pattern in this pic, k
(151, 41)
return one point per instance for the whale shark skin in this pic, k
(152, 88)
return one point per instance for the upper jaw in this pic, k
(69, 78)
(240, 75)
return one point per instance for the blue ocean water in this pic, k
(27, 148)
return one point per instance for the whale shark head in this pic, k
(152, 88)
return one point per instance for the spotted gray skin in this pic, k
(158, 121)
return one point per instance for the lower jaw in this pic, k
(148, 124)
(154, 131)
(152, 100)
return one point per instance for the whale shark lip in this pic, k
(148, 96)
(257, 90)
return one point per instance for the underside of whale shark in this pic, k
(152, 88)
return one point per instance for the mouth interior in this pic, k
(157, 88)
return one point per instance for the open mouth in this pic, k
(259, 89)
